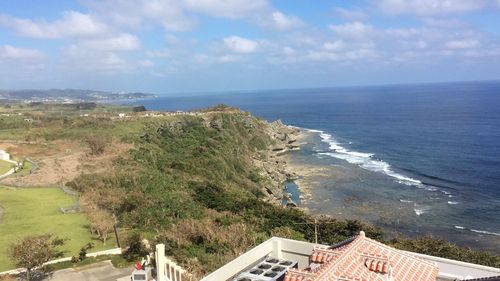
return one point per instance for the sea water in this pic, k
(413, 159)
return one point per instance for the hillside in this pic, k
(207, 184)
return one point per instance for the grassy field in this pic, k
(36, 211)
(5, 167)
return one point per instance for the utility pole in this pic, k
(316, 228)
(315, 231)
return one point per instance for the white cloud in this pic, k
(113, 62)
(122, 42)
(430, 7)
(238, 44)
(289, 51)
(284, 22)
(181, 15)
(351, 55)
(163, 53)
(233, 9)
(82, 59)
(224, 58)
(146, 63)
(170, 14)
(334, 46)
(255, 11)
(353, 30)
(10, 53)
(72, 24)
(443, 23)
(463, 44)
(350, 15)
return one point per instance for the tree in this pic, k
(101, 222)
(33, 251)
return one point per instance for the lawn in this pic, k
(5, 167)
(30, 211)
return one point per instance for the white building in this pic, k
(4, 155)
(311, 262)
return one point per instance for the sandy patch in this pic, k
(61, 161)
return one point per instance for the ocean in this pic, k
(413, 159)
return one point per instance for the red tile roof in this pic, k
(364, 259)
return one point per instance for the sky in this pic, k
(183, 46)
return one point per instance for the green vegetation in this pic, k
(47, 122)
(441, 248)
(32, 211)
(188, 182)
(5, 167)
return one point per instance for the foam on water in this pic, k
(485, 232)
(419, 211)
(477, 231)
(366, 161)
(452, 202)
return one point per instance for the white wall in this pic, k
(4, 155)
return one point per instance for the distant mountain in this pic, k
(68, 95)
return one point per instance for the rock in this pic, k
(216, 123)
(278, 147)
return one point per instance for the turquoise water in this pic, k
(415, 159)
(293, 190)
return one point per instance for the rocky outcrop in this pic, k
(284, 136)
(271, 165)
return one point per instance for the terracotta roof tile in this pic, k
(364, 259)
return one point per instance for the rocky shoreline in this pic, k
(277, 166)
(270, 162)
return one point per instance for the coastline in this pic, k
(309, 179)
(281, 165)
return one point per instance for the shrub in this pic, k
(96, 145)
(437, 247)
(83, 251)
(135, 247)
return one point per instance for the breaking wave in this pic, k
(477, 231)
(366, 161)
(419, 212)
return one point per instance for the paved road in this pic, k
(103, 271)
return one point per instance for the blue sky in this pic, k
(177, 46)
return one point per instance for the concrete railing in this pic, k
(115, 251)
(8, 173)
(167, 270)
